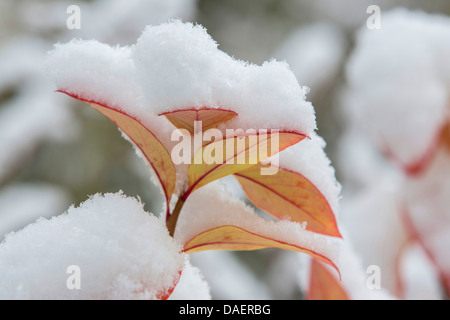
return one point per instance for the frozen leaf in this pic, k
(235, 238)
(155, 153)
(243, 154)
(288, 195)
(323, 285)
(233, 225)
(210, 118)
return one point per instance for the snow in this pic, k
(427, 196)
(122, 252)
(309, 159)
(34, 115)
(94, 71)
(177, 65)
(20, 58)
(23, 203)
(438, 244)
(192, 285)
(114, 25)
(282, 275)
(427, 204)
(233, 187)
(398, 80)
(27, 122)
(358, 161)
(182, 58)
(373, 222)
(376, 217)
(229, 278)
(399, 74)
(309, 49)
(197, 217)
(419, 275)
(354, 276)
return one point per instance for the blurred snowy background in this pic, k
(55, 151)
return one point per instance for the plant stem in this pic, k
(172, 221)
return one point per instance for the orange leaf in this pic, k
(290, 196)
(235, 154)
(210, 118)
(153, 150)
(323, 285)
(230, 237)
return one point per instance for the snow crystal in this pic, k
(122, 252)
(400, 74)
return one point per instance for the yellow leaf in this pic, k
(288, 195)
(229, 237)
(235, 154)
(210, 118)
(323, 285)
(153, 150)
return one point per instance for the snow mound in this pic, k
(400, 74)
(121, 251)
(175, 66)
